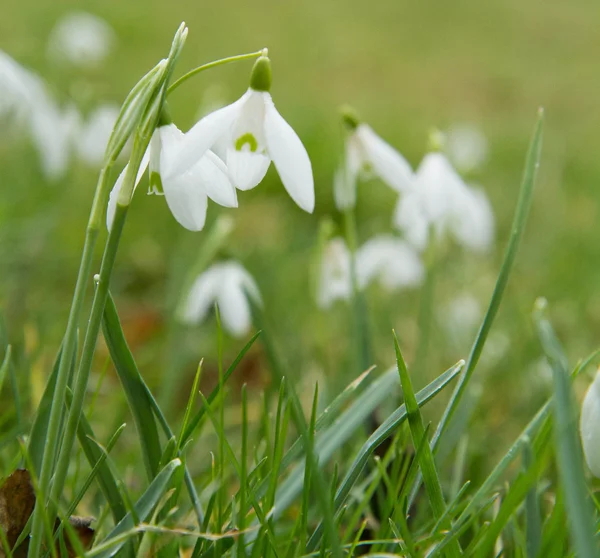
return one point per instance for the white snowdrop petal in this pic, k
(589, 426)
(186, 199)
(114, 193)
(473, 224)
(289, 157)
(95, 133)
(467, 146)
(247, 169)
(411, 219)
(214, 179)
(335, 278)
(390, 260)
(386, 162)
(234, 308)
(202, 295)
(203, 135)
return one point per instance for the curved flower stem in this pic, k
(214, 64)
(69, 342)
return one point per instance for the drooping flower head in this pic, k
(440, 202)
(229, 285)
(385, 259)
(589, 426)
(252, 134)
(366, 155)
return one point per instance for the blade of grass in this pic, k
(133, 386)
(387, 428)
(520, 219)
(143, 508)
(533, 520)
(426, 463)
(570, 462)
(5, 365)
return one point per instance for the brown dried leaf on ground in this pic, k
(17, 500)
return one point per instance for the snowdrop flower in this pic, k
(466, 146)
(94, 134)
(229, 285)
(385, 259)
(589, 426)
(20, 89)
(81, 39)
(441, 202)
(24, 97)
(367, 154)
(254, 134)
(186, 192)
(461, 317)
(391, 261)
(335, 281)
(53, 132)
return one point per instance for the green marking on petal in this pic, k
(155, 186)
(246, 139)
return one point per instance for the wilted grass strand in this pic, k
(570, 462)
(133, 387)
(387, 428)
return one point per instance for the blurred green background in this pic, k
(406, 67)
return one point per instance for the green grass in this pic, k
(307, 444)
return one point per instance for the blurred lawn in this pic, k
(406, 67)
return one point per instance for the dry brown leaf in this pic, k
(17, 501)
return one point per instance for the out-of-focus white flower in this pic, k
(20, 89)
(81, 39)
(186, 192)
(441, 202)
(390, 261)
(229, 285)
(462, 314)
(53, 131)
(366, 155)
(254, 134)
(94, 134)
(24, 98)
(467, 146)
(335, 281)
(589, 426)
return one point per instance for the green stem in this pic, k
(214, 64)
(69, 343)
(95, 322)
(358, 300)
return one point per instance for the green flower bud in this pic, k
(436, 141)
(165, 116)
(350, 117)
(260, 80)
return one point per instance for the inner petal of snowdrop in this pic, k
(247, 158)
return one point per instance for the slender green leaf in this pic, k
(133, 386)
(386, 429)
(570, 462)
(143, 508)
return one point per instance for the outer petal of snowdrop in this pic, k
(467, 147)
(289, 157)
(94, 134)
(474, 227)
(391, 261)
(335, 280)
(186, 199)
(589, 426)
(411, 218)
(114, 193)
(204, 134)
(202, 295)
(229, 285)
(387, 163)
